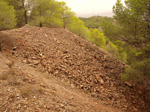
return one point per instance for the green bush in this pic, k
(97, 37)
(7, 16)
(137, 71)
(112, 48)
(77, 26)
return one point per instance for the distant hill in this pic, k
(94, 21)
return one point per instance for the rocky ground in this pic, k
(78, 76)
(24, 89)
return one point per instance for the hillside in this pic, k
(28, 90)
(42, 53)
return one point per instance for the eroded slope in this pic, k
(71, 58)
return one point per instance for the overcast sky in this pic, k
(86, 8)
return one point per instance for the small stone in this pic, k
(30, 64)
(18, 98)
(24, 61)
(62, 105)
(49, 69)
(107, 78)
(34, 58)
(41, 54)
(135, 109)
(17, 95)
(99, 79)
(55, 39)
(43, 57)
(128, 84)
(45, 106)
(81, 86)
(72, 85)
(8, 90)
(14, 48)
(35, 62)
(56, 72)
(46, 35)
(25, 106)
(112, 84)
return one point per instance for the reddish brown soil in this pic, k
(58, 71)
(31, 91)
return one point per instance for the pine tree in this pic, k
(7, 16)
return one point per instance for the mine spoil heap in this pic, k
(85, 66)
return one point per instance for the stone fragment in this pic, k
(128, 84)
(72, 85)
(100, 80)
(34, 58)
(24, 61)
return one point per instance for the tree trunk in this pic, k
(41, 25)
(0, 47)
(64, 23)
(26, 17)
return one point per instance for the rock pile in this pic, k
(59, 52)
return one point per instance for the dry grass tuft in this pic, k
(12, 80)
(10, 75)
(4, 76)
(10, 64)
(40, 90)
(26, 91)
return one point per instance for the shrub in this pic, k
(110, 47)
(137, 71)
(4, 76)
(7, 16)
(97, 37)
(25, 91)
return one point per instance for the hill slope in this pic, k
(26, 90)
(74, 60)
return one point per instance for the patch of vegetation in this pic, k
(133, 19)
(25, 91)
(137, 71)
(7, 16)
(94, 21)
(10, 74)
(40, 90)
(4, 76)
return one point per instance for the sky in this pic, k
(87, 8)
